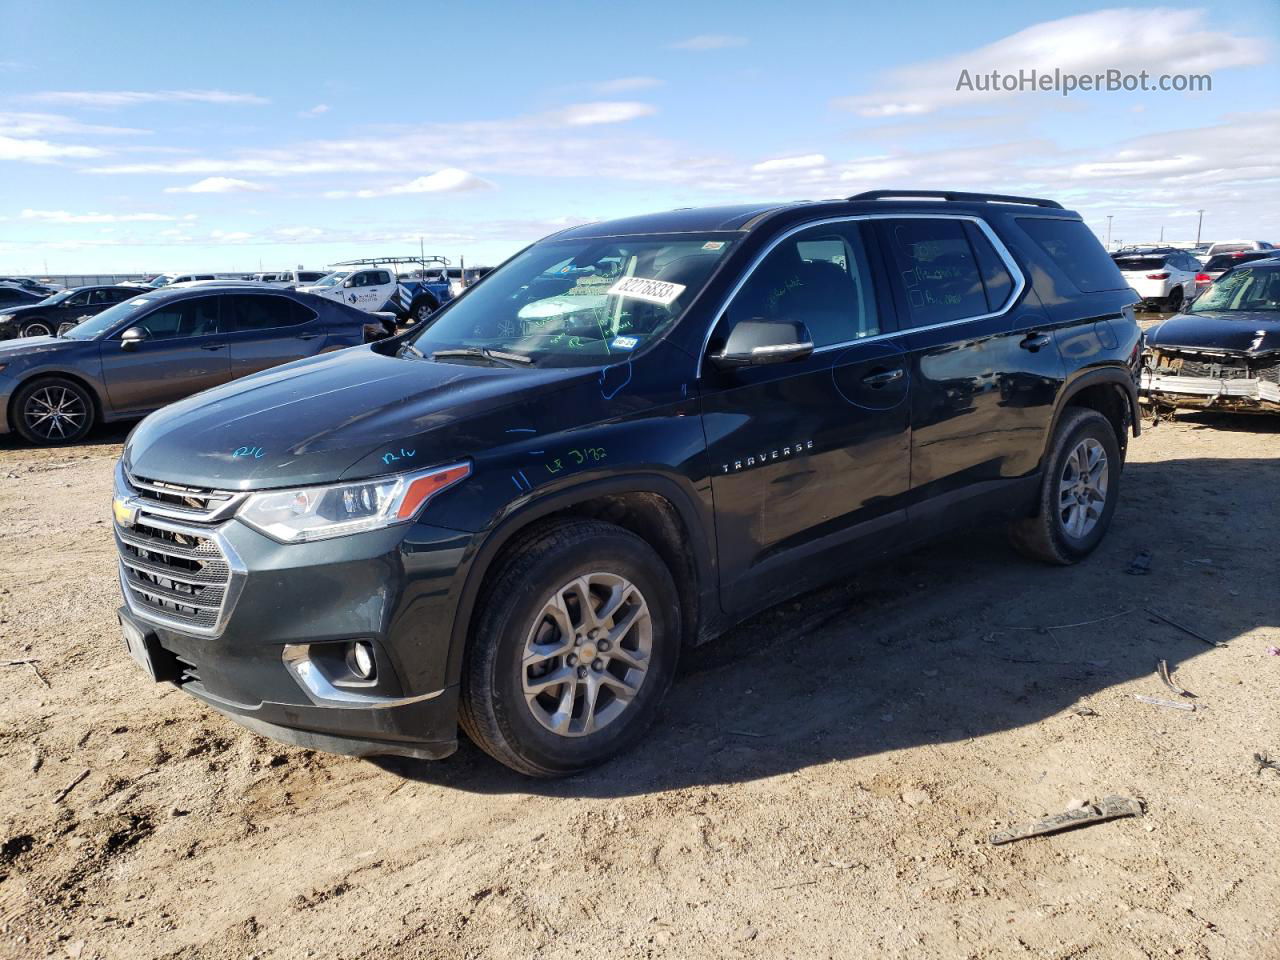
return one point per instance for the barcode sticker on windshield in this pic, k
(654, 291)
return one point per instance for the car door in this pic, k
(183, 353)
(266, 330)
(985, 372)
(811, 455)
(369, 290)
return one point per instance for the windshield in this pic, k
(100, 323)
(580, 302)
(163, 280)
(333, 279)
(1242, 289)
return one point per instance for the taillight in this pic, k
(1157, 276)
(1203, 278)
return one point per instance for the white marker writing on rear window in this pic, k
(654, 291)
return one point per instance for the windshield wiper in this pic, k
(410, 348)
(484, 353)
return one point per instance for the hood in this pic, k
(1232, 330)
(308, 422)
(28, 346)
(18, 310)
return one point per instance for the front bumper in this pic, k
(1244, 395)
(272, 658)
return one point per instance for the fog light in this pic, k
(360, 660)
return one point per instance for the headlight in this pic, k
(5, 316)
(318, 513)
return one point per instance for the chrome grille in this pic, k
(181, 502)
(176, 574)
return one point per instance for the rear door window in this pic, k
(267, 313)
(937, 270)
(996, 278)
(1076, 251)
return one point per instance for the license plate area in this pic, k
(144, 647)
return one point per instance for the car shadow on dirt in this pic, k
(952, 642)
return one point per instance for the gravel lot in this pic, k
(822, 783)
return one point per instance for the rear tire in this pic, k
(422, 309)
(552, 683)
(52, 411)
(1078, 491)
(1174, 303)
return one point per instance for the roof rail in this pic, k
(379, 261)
(954, 195)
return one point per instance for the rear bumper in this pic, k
(1247, 395)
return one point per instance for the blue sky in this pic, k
(174, 136)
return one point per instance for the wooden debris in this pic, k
(31, 662)
(61, 794)
(1110, 808)
(1171, 704)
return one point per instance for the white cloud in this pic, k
(63, 216)
(128, 98)
(218, 185)
(448, 180)
(317, 110)
(803, 162)
(43, 124)
(299, 233)
(591, 114)
(710, 41)
(230, 236)
(1159, 40)
(627, 84)
(42, 151)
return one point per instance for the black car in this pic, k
(61, 311)
(621, 442)
(1220, 263)
(1223, 352)
(31, 286)
(158, 347)
(12, 296)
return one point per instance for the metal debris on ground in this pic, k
(1110, 808)
(1140, 565)
(1171, 704)
(1264, 762)
(1162, 670)
(1187, 630)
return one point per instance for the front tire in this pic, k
(1078, 491)
(574, 651)
(36, 328)
(1174, 303)
(52, 411)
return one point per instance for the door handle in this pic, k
(213, 346)
(307, 336)
(1034, 341)
(882, 378)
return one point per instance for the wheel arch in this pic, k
(1109, 390)
(656, 508)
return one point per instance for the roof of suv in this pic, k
(744, 217)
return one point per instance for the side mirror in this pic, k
(130, 339)
(755, 342)
(348, 283)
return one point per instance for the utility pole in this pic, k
(1162, 233)
(1199, 223)
(1109, 231)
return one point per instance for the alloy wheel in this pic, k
(587, 654)
(55, 413)
(37, 329)
(1082, 488)
(422, 311)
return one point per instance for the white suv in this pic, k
(1161, 276)
(1237, 246)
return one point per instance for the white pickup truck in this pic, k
(376, 286)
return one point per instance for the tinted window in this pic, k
(995, 275)
(1076, 251)
(79, 300)
(1140, 263)
(186, 318)
(937, 269)
(266, 313)
(309, 276)
(97, 297)
(116, 296)
(818, 277)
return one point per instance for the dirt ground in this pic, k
(822, 783)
